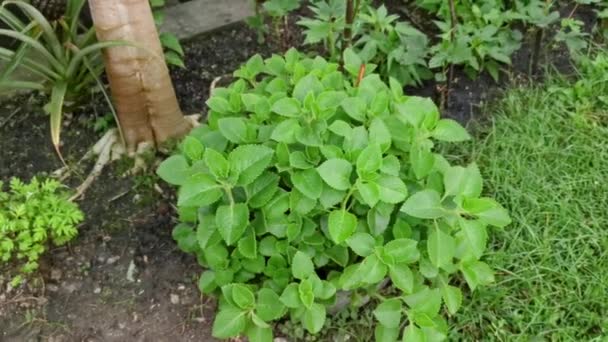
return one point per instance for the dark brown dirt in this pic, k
(82, 292)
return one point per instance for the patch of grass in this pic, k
(545, 158)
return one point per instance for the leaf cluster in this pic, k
(302, 186)
(31, 215)
(483, 36)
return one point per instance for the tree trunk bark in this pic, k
(141, 88)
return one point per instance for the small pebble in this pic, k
(112, 260)
(55, 274)
(97, 290)
(174, 299)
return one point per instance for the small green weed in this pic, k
(31, 215)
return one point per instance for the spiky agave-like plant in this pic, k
(70, 59)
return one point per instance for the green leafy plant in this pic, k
(174, 53)
(70, 60)
(306, 184)
(395, 47)
(400, 50)
(476, 35)
(31, 215)
(277, 11)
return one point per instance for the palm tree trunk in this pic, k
(141, 88)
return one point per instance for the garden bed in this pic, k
(123, 278)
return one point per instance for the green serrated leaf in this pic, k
(229, 322)
(450, 130)
(424, 204)
(388, 313)
(291, 297)
(402, 278)
(314, 318)
(217, 164)
(288, 107)
(362, 244)
(373, 269)
(441, 247)
(231, 221)
(341, 225)
(336, 173)
(269, 306)
(242, 296)
(302, 266)
(308, 182)
(247, 162)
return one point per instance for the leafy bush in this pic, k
(30, 216)
(306, 184)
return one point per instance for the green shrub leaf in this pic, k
(247, 162)
(402, 277)
(384, 334)
(441, 248)
(308, 182)
(372, 269)
(302, 266)
(242, 296)
(413, 334)
(336, 173)
(285, 132)
(174, 170)
(269, 306)
(477, 273)
(370, 160)
(341, 225)
(233, 129)
(229, 322)
(452, 297)
(201, 190)
(258, 334)
(362, 244)
(288, 107)
(231, 221)
(314, 318)
(403, 250)
(291, 297)
(355, 108)
(388, 313)
(217, 164)
(424, 204)
(450, 130)
(392, 189)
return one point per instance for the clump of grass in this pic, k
(545, 158)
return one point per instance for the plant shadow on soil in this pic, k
(82, 292)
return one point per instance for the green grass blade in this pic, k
(12, 85)
(31, 65)
(36, 45)
(10, 19)
(55, 110)
(94, 48)
(49, 33)
(73, 13)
